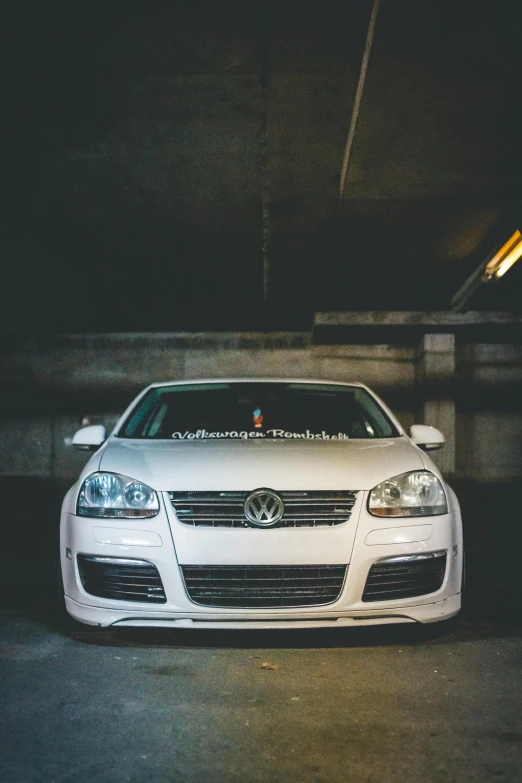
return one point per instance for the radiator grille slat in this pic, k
(226, 509)
(121, 581)
(387, 581)
(263, 586)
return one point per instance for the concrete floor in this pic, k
(364, 705)
(374, 706)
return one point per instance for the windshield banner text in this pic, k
(244, 435)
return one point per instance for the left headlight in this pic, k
(113, 496)
(415, 494)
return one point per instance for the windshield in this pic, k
(253, 410)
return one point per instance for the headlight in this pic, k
(113, 496)
(416, 494)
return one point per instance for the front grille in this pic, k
(226, 509)
(264, 586)
(405, 578)
(121, 579)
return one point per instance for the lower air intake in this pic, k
(260, 587)
(405, 577)
(121, 579)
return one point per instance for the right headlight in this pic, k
(113, 496)
(416, 494)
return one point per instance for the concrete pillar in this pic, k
(435, 377)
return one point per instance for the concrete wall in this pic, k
(489, 412)
(49, 385)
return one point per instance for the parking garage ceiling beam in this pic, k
(358, 94)
(373, 327)
(415, 318)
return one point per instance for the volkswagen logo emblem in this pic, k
(264, 508)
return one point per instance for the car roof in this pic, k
(195, 381)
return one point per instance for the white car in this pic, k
(260, 504)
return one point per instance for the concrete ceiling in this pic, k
(152, 149)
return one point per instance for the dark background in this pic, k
(170, 174)
(150, 150)
(175, 166)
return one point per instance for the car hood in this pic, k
(245, 465)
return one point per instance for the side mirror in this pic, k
(89, 438)
(427, 438)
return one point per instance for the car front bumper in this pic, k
(165, 542)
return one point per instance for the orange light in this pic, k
(506, 257)
(509, 260)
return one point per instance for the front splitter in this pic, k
(423, 613)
